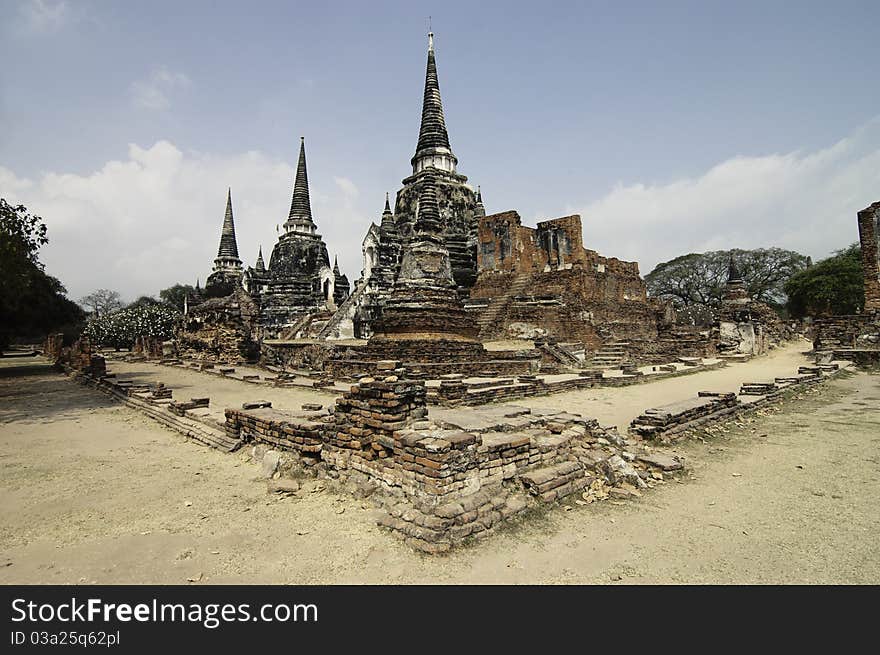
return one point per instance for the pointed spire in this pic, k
(387, 221)
(228, 247)
(479, 210)
(300, 216)
(733, 274)
(198, 288)
(433, 148)
(336, 265)
(261, 266)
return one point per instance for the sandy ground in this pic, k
(612, 406)
(619, 406)
(223, 392)
(94, 492)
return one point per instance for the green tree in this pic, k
(698, 279)
(32, 303)
(101, 301)
(144, 300)
(833, 286)
(176, 294)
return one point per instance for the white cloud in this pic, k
(348, 188)
(800, 201)
(141, 224)
(154, 93)
(44, 16)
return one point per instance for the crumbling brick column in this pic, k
(367, 417)
(869, 226)
(52, 346)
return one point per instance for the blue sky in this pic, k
(671, 126)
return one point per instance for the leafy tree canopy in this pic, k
(698, 279)
(32, 304)
(101, 301)
(144, 300)
(833, 286)
(176, 294)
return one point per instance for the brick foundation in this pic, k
(439, 483)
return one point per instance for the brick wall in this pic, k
(438, 485)
(869, 226)
(506, 245)
(570, 292)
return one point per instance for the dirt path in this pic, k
(612, 406)
(619, 406)
(94, 492)
(223, 392)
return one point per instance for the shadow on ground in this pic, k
(34, 392)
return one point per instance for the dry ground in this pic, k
(94, 492)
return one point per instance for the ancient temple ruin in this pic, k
(746, 326)
(869, 229)
(458, 214)
(227, 271)
(299, 279)
(224, 328)
(571, 308)
(423, 311)
(221, 322)
(542, 282)
(857, 336)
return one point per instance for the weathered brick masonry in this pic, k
(869, 227)
(848, 336)
(543, 282)
(438, 482)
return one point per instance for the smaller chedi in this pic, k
(746, 326)
(226, 275)
(221, 321)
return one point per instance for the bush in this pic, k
(119, 329)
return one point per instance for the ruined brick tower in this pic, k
(869, 229)
(299, 279)
(735, 292)
(226, 275)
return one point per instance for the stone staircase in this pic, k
(610, 355)
(560, 354)
(345, 312)
(290, 332)
(315, 324)
(487, 321)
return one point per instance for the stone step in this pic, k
(490, 315)
(552, 482)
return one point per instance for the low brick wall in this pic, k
(857, 331)
(664, 422)
(428, 370)
(438, 484)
